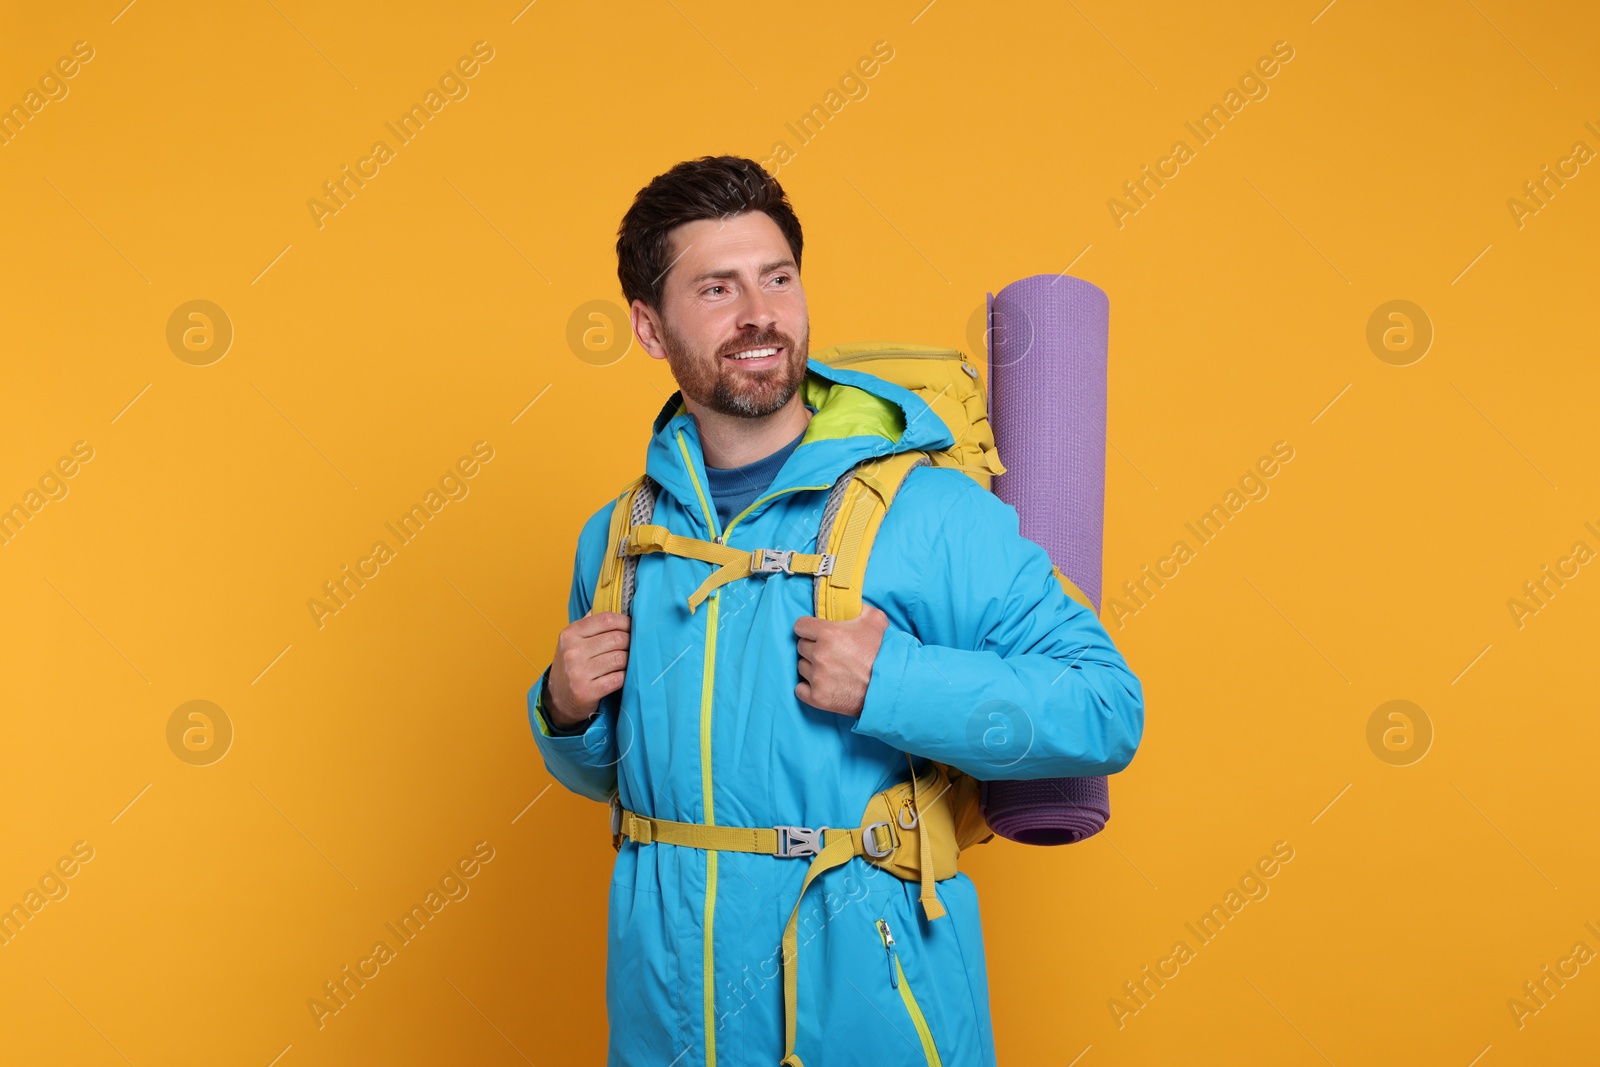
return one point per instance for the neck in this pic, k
(733, 440)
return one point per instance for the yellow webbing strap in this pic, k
(866, 500)
(735, 563)
(839, 847)
(763, 840)
(930, 903)
(840, 844)
(644, 830)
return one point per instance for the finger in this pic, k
(580, 649)
(593, 648)
(586, 671)
(807, 647)
(613, 622)
(810, 626)
(607, 640)
(610, 683)
(605, 663)
(803, 692)
(602, 622)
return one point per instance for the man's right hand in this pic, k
(591, 662)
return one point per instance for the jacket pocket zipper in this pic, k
(897, 980)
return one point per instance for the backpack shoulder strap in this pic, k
(634, 507)
(855, 509)
(850, 520)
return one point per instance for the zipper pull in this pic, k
(891, 955)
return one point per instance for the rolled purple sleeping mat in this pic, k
(1046, 811)
(1048, 345)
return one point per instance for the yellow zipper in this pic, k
(709, 974)
(708, 983)
(897, 979)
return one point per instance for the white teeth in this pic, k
(754, 353)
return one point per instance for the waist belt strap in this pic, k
(828, 847)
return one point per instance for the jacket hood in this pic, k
(858, 416)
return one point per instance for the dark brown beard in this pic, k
(717, 383)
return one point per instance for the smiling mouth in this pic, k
(756, 355)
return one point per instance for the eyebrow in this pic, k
(766, 268)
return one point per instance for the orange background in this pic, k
(428, 313)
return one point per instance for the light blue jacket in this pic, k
(986, 665)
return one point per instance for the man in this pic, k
(749, 712)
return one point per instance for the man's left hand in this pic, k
(836, 659)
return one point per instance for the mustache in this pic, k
(772, 340)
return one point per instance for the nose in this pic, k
(757, 311)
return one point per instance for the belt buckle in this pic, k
(771, 561)
(867, 840)
(797, 841)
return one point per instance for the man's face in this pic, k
(732, 288)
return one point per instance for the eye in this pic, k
(703, 293)
(781, 278)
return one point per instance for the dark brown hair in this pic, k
(711, 187)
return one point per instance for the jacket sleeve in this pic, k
(987, 665)
(582, 759)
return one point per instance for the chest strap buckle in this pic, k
(772, 560)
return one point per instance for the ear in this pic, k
(647, 328)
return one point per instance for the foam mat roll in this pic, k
(1047, 404)
(1048, 343)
